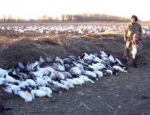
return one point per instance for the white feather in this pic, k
(134, 51)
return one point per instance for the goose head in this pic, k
(59, 60)
(49, 60)
(41, 61)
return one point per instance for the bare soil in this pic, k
(123, 94)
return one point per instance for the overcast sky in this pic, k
(36, 8)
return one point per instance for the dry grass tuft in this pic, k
(87, 36)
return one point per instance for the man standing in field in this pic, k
(133, 35)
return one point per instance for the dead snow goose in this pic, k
(57, 84)
(134, 51)
(59, 67)
(90, 75)
(67, 83)
(119, 68)
(85, 78)
(41, 61)
(11, 88)
(3, 72)
(47, 89)
(39, 93)
(10, 79)
(75, 71)
(26, 95)
(2, 80)
(99, 74)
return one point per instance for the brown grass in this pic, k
(30, 48)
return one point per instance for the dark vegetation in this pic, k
(67, 18)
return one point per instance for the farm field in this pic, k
(121, 94)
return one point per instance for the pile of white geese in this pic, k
(80, 29)
(47, 75)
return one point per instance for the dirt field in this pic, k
(123, 94)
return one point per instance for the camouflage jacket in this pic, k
(130, 30)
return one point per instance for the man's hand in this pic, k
(135, 40)
(125, 39)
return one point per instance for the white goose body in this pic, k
(10, 79)
(96, 59)
(41, 82)
(75, 71)
(2, 80)
(57, 75)
(79, 81)
(31, 82)
(39, 93)
(31, 67)
(47, 89)
(73, 81)
(87, 57)
(25, 95)
(23, 84)
(48, 60)
(3, 72)
(21, 65)
(90, 73)
(67, 74)
(37, 73)
(60, 75)
(118, 61)
(103, 53)
(45, 70)
(111, 58)
(41, 60)
(119, 68)
(80, 66)
(109, 72)
(67, 83)
(8, 89)
(85, 78)
(93, 67)
(59, 67)
(59, 85)
(59, 60)
(103, 56)
(134, 51)
(99, 66)
(99, 74)
(11, 88)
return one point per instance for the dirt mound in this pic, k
(29, 49)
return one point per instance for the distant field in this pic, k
(73, 28)
(48, 24)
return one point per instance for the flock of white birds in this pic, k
(47, 75)
(79, 29)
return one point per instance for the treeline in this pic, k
(93, 18)
(69, 18)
